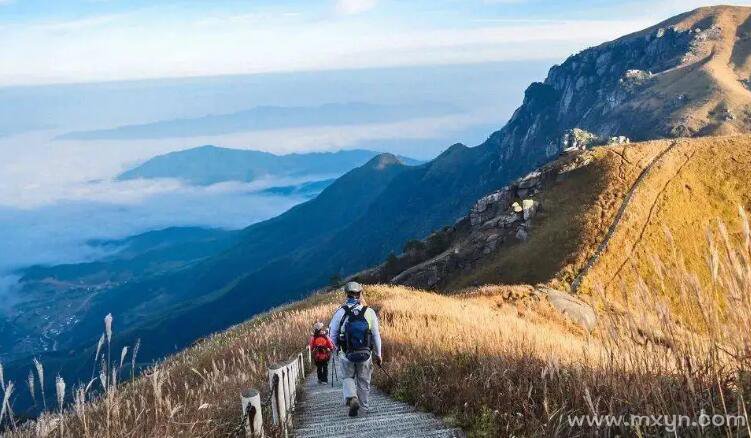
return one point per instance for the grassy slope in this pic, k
(693, 96)
(576, 210)
(696, 184)
(715, 83)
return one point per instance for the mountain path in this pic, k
(321, 413)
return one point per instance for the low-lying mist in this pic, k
(58, 232)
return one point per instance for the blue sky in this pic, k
(50, 41)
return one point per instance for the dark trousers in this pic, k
(323, 371)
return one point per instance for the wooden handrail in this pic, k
(283, 381)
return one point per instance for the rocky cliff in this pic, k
(686, 76)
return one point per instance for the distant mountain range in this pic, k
(265, 118)
(207, 165)
(681, 77)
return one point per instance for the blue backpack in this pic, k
(356, 334)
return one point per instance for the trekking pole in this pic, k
(336, 374)
(385, 372)
(333, 368)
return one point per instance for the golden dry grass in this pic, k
(499, 362)
(698, 183)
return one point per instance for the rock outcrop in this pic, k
(578, 140)
(505, 216)
(572, 307)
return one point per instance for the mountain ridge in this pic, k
(209, 164)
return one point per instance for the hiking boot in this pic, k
(354, 406)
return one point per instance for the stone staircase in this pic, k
(321, 413)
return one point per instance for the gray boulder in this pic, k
(573, 308)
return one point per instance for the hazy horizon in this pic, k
(56, 194)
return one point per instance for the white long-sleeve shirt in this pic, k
(336, 326)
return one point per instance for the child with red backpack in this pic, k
(321, 348)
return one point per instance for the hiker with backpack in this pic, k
(321, 347)
(355, 332)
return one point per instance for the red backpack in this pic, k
(321, 348)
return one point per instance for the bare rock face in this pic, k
(578, 140)
(488, 206)
(618, 140)
(660, 82)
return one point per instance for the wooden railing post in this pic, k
(292, 385)
(293, 381)
(302, 366)
(251, 408)
(285, 387)
(278, 402)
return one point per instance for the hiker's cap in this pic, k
(353, 288)
(317, 326)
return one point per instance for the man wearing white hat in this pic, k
(354, 329)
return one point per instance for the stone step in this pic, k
(372, 421)
(339, 411)
(386, 429)
(442, 433)
(320, 412)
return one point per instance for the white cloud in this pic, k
(352, 7)
(131, 47)
(152, 42)
(58, 233)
